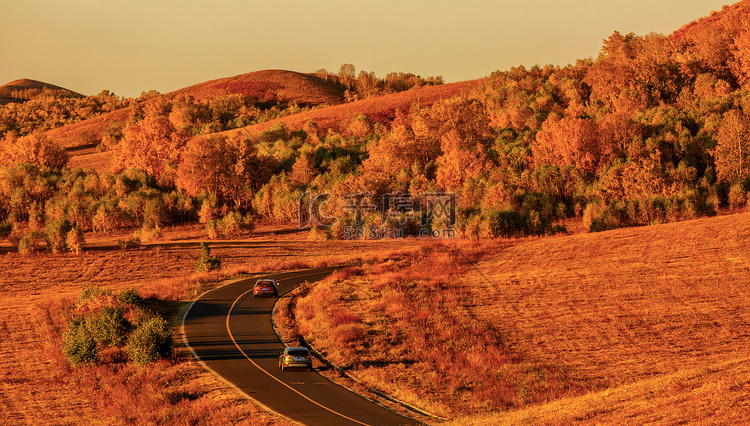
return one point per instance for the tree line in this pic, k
(653, 130)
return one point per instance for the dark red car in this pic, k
(265, 287)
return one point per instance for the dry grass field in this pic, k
(629, 326)
(36, 386)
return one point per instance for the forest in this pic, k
(655, 129)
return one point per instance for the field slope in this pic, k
(631, 325)
(655, 319)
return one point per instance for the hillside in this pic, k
(267, 86)
(377, 109)
(284, 85)
(304, 89)
(631, 326)
(717, 21)
(26, 89)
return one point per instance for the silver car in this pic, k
(295, 357)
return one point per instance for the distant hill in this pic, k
(25, 89)
(269, 85)
(280, 85)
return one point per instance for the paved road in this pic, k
(231, 332)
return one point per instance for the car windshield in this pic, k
(298, 352)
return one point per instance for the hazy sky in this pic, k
(131, 46)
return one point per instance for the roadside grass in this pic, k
(37, 384)
(542, 330)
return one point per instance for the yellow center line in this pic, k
(271, 375)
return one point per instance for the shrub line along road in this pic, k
(232, 334)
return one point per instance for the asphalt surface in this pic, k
(231, 332)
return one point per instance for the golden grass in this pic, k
(35, 388)
(651, 318)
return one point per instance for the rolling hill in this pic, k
(25, 89)
(377, 109)
(279, 85)
(267, 85)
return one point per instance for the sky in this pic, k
(133, 46)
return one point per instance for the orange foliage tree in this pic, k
(34, 149)
(732, 153)
(152, 145)
(568, 142)
(226, 167)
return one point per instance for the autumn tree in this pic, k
(303, 171)
(367, 84)
(153, 145)
(34, 149)
(742, 57)
(568, 142)
(347, 74)
(229, 168)
(732, 153)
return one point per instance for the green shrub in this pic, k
(150, 341)
(509, 223)
(79, 342)
(91, 292)
(146, 234)
(110, 327)
(132, 243)
(130, 296)
(206, 262)
(5, 229)
(737, 196)
(57, 233)
(229, 225)
(75, 240)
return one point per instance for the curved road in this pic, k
(231, 332)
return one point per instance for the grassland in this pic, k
(630, 326)
(635, 325)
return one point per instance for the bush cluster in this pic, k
(103, 321)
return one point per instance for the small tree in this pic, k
(206, 262)
(57, 233)
(33, 242)
(732, 153)
(75, 240)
